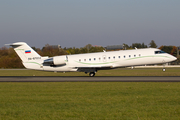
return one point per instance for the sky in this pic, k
(76, 23)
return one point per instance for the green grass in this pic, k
(90, 100)
(114, 72)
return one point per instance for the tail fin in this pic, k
(24, 51)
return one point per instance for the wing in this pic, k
(93, 69)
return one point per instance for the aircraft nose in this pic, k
(170, 59)
(174, 58)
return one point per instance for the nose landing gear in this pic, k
(164, 69)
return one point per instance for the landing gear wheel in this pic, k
(164, 69)
(91, 74)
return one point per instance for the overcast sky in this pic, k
(76, 23)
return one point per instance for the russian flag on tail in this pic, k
(28, 51)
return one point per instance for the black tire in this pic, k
(91, 74)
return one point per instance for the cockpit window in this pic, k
(159, 52)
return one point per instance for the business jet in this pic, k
(90, 62)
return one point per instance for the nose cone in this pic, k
(173, 58)
(170, 58)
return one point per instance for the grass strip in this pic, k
(94, 100)
(114, 72)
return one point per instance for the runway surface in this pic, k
(90, 79)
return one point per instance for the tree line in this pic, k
(9, 59)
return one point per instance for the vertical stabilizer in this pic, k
(24, 51)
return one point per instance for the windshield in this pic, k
(159, 52)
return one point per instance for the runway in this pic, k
(90, 79)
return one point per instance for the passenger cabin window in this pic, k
(94, 59)
(124, 56)
(119, 56)
(79, 60)
(114, 57)
(134, 55)
(159, 52)
(89, 59)
(109, 57)
(129, 55)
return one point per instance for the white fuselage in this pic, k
(113, 59)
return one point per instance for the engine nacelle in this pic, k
(58, 60)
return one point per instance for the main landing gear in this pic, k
(92, 74)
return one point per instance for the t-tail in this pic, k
(29, 57)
